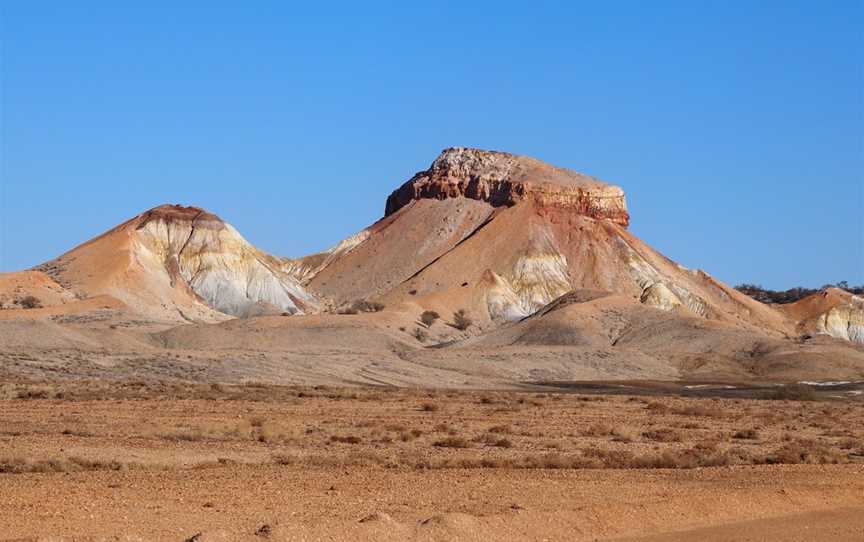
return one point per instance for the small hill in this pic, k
(179, 263)
(523, 233)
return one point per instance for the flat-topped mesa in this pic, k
(502, 178)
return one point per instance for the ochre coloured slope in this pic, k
(180, 263)
(524, 233)
(833, 312)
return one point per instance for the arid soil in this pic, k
(148, 460)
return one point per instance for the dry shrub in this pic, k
(429, 407)
(554, 461)
(76, 433)
(597, 430)
(490, 439)
(662, 435)
(699, 456)
(656, 408)
(746, 434)
(689, 425)
(851, 444)
(501, 429)
(444, 428)
(610, 459)
(624, 434)
(806, 451)
(256, 429)
(30, 302)
(269, 434)
(461, 320)
(408, 436)
(428, 317)
(356, 458)
(362, 305)
(452, 442)
(698, 410)
(346, 439)
(34, 394)
(186, 435)
(18, 465)
(794, 392)
(420, 335)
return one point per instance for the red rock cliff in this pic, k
(501, 178)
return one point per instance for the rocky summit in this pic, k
(501, 178)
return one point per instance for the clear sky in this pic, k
(735, 128)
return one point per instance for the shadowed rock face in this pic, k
(504, 179)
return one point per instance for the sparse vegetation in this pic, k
(346, 439)
(662, 435)
(794, 392)
(792, 295)
(698, 410)
(806, 451)
(390, 428)
(428, 317)
(19, 465)
(362, 305)
(421, 335)
(30, 302)
(491, 439)
(746, 434)
(461, 320)
(452, 442)
(597, 430)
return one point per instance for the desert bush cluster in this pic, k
(29, 302)
(428, 317)
(461, 320)
(362, 305)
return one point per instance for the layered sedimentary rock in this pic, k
(844, 320)
(659, 295)
(831, 311)
(217, 263)
(518, 233)
(180, 263)
(504, 179)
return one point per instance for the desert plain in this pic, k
(181, 461)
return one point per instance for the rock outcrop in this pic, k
(844, 321)
(217, 263)
(178, 263)
(831, 311)
(504, 179)
(517, 234)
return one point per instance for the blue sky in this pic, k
(735, 128)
